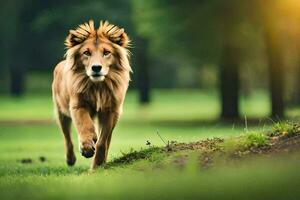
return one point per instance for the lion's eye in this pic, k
(87, 53)
(106, 53)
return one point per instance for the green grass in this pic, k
(251, 180)
(254, 139)
(284, 128)
(183, 116)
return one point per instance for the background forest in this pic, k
(232, 47)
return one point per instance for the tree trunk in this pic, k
(9, 49)
(276, 73)
(13, 46)
(18, 67)
(229, 83)
(17, 80)
(142, 70)
(229, 20)
(296, 94)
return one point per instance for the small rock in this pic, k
(42, 159)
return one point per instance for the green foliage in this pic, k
(194, 29)
(285, 128)
(43, 26)
(258, 139)
(253, 139)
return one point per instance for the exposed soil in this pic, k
(283, 144)
(204, 145)
(209, 149)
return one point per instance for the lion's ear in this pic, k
(114, 34)
(80, 34)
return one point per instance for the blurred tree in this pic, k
(229, 63)
(141, 60)
(10, 46)
(291, 29)
(197, 33)
(270, 12)
(297, 88)
(21, 48)
(22, 45)
(276, 73)
(229, 83)
(142, 69)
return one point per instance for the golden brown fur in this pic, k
(89, 87)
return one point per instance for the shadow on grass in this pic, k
(239, 123)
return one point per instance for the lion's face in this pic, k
(97, 57)
(96, 50)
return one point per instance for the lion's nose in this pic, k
(96, 68)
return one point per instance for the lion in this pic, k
(89, 88)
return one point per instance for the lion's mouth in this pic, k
(97, 77)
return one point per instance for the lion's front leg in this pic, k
(85, 129)
(108, 121)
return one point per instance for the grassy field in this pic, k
(183, 116)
